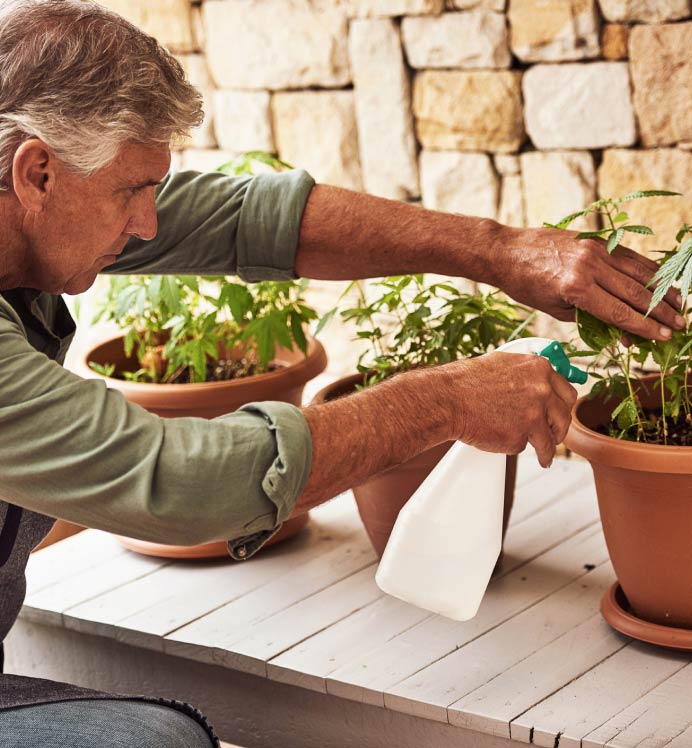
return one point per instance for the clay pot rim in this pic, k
(607, 450)
(312, 364)
(322, 396)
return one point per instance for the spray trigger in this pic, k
(555, 353)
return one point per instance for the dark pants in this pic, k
(100, 723)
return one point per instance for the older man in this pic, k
(88, 108)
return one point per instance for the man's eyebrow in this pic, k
(140, 185)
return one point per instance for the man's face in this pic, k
(87, 221)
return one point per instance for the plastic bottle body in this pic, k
(447, 538)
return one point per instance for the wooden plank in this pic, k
(330, 656)
(367, 678)
(492, 707)
(293, 624)
(54, 563)
(656, 719)
(580, 707)
(211, 636)
(311, 661)
(85, 578)
(144, 610)
(564, 477)
(429, 692)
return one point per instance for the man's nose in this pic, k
(144, 222)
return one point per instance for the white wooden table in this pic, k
(298, 647)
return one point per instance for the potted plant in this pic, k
(412, 323)
(204, 346)
(636, 430)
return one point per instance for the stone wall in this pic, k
(518, 110)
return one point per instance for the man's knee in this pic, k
(106, 723)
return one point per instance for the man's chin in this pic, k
(80, 284)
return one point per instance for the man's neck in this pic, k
(13, 245)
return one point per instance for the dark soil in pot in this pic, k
(645, 501)
(381, 498)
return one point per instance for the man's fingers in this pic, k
(564, 390)
(612, 310)
(633, 293)
(544, 443)
(643, 270)
(559, 417)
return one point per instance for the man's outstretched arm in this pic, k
(346, 235)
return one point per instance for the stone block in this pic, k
(614, 41)
(169, 21)
(553, 30)
(557, 184)
(474, 39)
(196, 71)
(579, 105)
(383, 110)
(506, 165)
(242, 120)
(459, 183)
(661, 67)
(648, 11)
(389, 8)
(623, 171)
(469, 110)
(511, 211)
(498, 5)
(253, 44)
(316, 130)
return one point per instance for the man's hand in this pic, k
(498, 402)
(506, 400)
(551, 270)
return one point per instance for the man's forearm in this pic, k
(360, 435)
(346, 235)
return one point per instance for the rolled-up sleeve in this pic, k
(74, 449)
(213, 224)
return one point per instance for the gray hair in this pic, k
(85, 81)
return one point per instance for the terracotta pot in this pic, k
(209, 400)
(381, 498)
(645, 500)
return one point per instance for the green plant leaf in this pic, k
(601, 234)
(647, 193)
(625, 414)
(594, 332)
(669, 272)
(620, 217)
(567, 220)
(638, 229)
(614, 240)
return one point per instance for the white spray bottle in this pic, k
(448, 536)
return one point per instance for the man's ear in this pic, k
(33, 174)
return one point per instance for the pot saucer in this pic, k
(616, 610)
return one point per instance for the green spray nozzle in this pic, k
(555, 353)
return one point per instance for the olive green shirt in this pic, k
(74, 449)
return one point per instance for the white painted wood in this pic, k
(288, 627)
(538, 662)
(562, 478)
(528, 467)
(218, 631)
(367, 677)
(492, 707)
(653, 721)
(581, 706)
(429, 692)
(55, 562)
(85, 577)
(146, 609)
(312, 660)
(435, 637)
